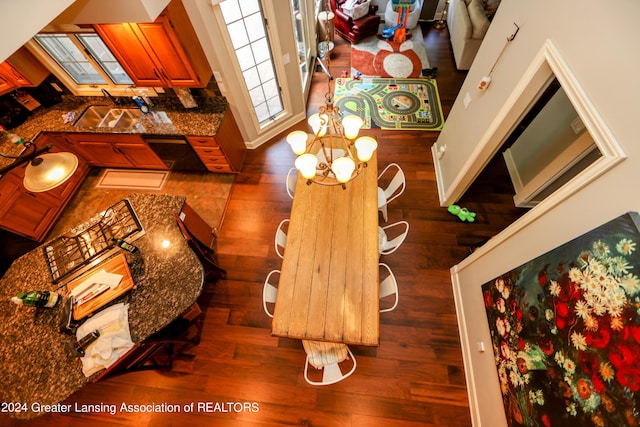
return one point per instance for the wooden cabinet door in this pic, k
(6, 82)
(10, 183)
(160, 41)
(125, 44)
(141, 156)
(31, 214)
(101, 151)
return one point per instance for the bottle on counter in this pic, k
(46, 299)
(15, 139)
(124, 245)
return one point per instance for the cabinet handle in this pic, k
(116, 149)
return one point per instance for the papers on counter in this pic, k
(94, 285)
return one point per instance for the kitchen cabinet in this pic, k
(117, 151)
(21, 69)
(154, 54)
(30, 214)
(223, 152)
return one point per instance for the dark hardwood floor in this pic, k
(414, 378)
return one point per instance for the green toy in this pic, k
(462, 213)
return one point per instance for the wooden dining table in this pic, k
(329, 281)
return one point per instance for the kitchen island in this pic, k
(37, 366)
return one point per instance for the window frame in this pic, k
(78, 89)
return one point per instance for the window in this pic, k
(85, 58)
(249, 38)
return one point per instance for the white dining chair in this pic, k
(292, 176)
(390, 237)
(270, 292)
(388, 288)
(281, 237)
(394, 189)
(330, 358)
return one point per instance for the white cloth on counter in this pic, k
(113, 342)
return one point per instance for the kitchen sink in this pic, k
(104, 116)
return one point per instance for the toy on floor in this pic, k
(344, 74)
(400, 34)
(462, 213)
(357, 75)
(430, 73)
(388, 33)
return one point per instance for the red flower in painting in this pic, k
(622, 356)
(600, 338)
(545, 420)
(488, 301)
(629, 377)
(598, 384)
(563, 310)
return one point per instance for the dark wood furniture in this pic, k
(351, 29)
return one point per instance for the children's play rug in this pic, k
(378, 57)
(403, 104)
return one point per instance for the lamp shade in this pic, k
(351, 125)
(365, 146)
(318, 123)
(298, 141)
(50, 170)
(343, 168)
(306, 164)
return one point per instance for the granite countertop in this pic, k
(203, 120)
(37, 365)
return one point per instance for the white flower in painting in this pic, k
(579, 341)
(631, 284)
(596, 268)
(571, 409)
(554, 288)
(569, 366)
(536, 397)
(506, 292)
(625, 246)
(615, 311)
(620, 265)
(499, 284)
(582, 309)
(501, 305)
(600, 249)
(548, 314)
(515, 378)
(575, 274)
(559, 358)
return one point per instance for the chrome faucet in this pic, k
(106, 93)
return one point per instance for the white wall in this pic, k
(599, 44)
(22, 19)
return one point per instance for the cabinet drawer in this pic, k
(214, 160)
(202, 141)
(203, 152)
(218, 168)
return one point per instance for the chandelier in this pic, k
(333, 154)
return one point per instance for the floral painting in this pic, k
(566, 331)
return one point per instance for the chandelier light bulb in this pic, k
(365, 146)
(298, 141)
(343, 168)
(306, 164)
(351, 125)
(319, 123)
